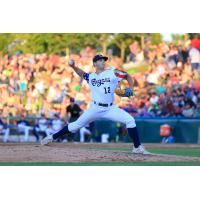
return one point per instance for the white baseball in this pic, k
(71, 62)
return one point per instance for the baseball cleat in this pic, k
(48, 139)
(140, 150)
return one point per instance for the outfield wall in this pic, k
(185, 130)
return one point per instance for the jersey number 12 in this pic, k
(107, 90)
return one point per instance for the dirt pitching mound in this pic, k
(69, 152)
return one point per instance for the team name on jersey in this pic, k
(99, 82)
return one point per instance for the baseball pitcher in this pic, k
(103, 84)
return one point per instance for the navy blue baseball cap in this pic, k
(99, 57)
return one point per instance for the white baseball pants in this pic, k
(83, 132)
(95, 112)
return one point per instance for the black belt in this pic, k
(103, 104)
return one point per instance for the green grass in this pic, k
(179, 152)
(195, 152)
(138, 69)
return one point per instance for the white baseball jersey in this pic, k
(194, 55)
(57, 124)
(103, 85)
(43, 124)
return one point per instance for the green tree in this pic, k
(192, 35)
(46, 42)
(123, 40)
(36, 42)
(78, 41)
(5, 40)
(58, 42)
(177, 37)
(156, 38)
(104, 39)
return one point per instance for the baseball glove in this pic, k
(127, 92)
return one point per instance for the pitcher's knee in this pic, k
(130, 124)
(74, 127)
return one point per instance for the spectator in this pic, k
(41, 127)
(56, 124)
(188, 111)
(170, 139)
(4, 130)
(143, 112)
(152, 77)
(24, 127)
(154, 98)
(194, 56)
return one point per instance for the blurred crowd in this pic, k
(43, 84)
(171, 85)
